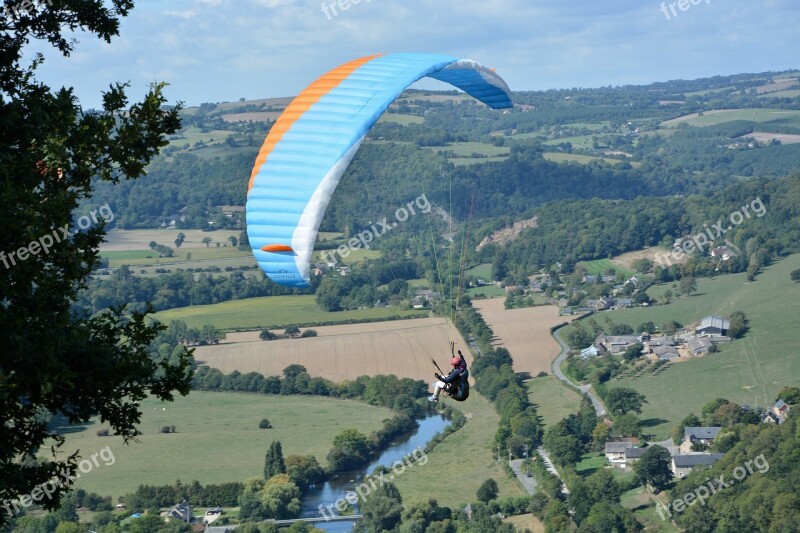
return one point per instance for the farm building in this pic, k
(713, 326)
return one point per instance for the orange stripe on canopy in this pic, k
(277, 248)
(302, 103)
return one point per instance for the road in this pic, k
(527, 482)
(587, 389)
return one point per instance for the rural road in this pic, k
(598, 406)
(527, 482)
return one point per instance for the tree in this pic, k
(487, 491)
(633, 352)
(233, 240)
(794, 275)
(304, 471)
(600, 435)
(179, 239)
(308, 333)
(267, 335)
(790, 395)
(646, 327)
(58, 357)
(626, 425)
(273, 461)
(281, 497)
(206, 240)
(264, 424)
(738, 325)
(621, 400)
(382, 511)
(654, 467)
(292, 331)
(687, 285)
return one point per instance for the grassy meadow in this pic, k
(553, 400)
(217, 438)
(459, 464)
(274, 312)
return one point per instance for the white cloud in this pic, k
(215, 50)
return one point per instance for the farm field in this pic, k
(217, 438)
(401, 347)
(626, 260)
(460, 463)
(275, 312)
(582, 159)
(524, 332)
(139, 239)
(200, 257)
(484, 271)
(553, 400)
(401, 118)
(599, 266)
(747, 371)
(762, 137)
(582, 141)
(711, 118)
(488, 291)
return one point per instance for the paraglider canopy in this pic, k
(312, 142)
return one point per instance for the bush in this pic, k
(487, 491)
(264, 424)
(308, 333)
(102, 433)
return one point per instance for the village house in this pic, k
(614, 450)
(683, 464)
(777, 413)
(698, 435)
(614, 344)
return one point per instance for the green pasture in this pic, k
(199, 255)
(554, 401)
(275, 312)
(217, 438)
(458, 465)
(600, 266)
(401, 118)
(784, 117)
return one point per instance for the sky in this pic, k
(223, 50)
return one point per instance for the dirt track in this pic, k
(524, 332)
(401, 347)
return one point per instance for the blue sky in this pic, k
(221, 50)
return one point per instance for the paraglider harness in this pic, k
(458, 389)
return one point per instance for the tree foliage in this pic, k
(57, 357)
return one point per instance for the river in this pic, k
(336, 487)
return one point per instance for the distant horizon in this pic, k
(513, 90)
